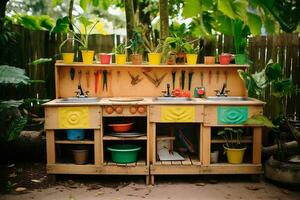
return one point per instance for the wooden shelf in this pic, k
(106, 137)
(145, 65)
(137, 163)
(161, 138)
(74, 142)
(220, 141)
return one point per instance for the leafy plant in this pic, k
(240, 33)
(190, 48)
(136, 43)
(232, 137)
(120, 49)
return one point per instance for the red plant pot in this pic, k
(225, 59)
(104, 58)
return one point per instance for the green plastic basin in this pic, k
(124, 153)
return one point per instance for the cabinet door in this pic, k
(72, 117)
(176, 113)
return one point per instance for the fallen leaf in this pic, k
(20, 189)
(253, 187)
(200, 184)
(35, 181)
(99, 193)
(10, 166)
(12, 175)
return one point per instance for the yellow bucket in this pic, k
(235, 156)
(191, 59)
(154, 58)
(68, 58)
(87, 56)
(120, 59)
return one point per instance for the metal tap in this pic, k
(80, 93)
(223, 92)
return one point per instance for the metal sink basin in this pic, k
(216, 98)
(79, 100)
(172, 99)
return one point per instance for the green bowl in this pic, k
(124, 153)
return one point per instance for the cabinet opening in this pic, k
(74, 154)
(123, 150)
(74, 135)
(178, 143)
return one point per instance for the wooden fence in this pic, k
(284, 49)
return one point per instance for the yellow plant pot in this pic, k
(87, 56)
(120, 59)
(235, 156)
(68, 58)
(154, 58)
(191, 59)
(209, 60)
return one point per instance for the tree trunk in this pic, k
(129, 11)
(3, 9)
(71, 5)
(164, 19)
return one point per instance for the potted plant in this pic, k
(104, 58)
(283, 165)
(80, 154)
(191, 53)
(175, 45)
(240, 34)
(136, 44)
(120, 54)
(233, 147)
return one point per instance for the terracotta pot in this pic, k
(104, 58)
(225, 59)
(80, 156)
(209, 60)
(171, 60)
(136, 59)
(180, 58)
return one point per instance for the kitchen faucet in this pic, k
(80, 93)
(223, 92)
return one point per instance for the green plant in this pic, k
(136, 43)
(190, 48)
(240, 32)
(120, 49)
(232, 137)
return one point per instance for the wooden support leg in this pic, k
(50, 143)
(147, 179)
(256, 152)
(97, 147)
(152, 179)
(205, 144)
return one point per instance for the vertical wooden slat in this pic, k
(205, 145)
(50, 143)
(257, 133)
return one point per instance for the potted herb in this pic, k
(120, 54)
(191, 53)
(233, 147)
(240, 34)
(136, 44)
(175, 45)
(154, 48)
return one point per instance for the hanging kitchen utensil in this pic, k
(87, 76)
(209, 77)
(104, 85)
(201, 77)
(182, 79)
(79, 77)
(135, 79)
(72, 73)
(109, 77)
(191, 73)
(173, 78)
(96, 74)
(226, 76)
(218, 76)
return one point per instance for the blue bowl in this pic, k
(75, 134)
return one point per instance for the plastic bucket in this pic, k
(75, 134)
(104, 58)
(209, 60)
(235, 156)
(240, 59)
(68, 58)
(124, 153)
(154, 58)
(87, 56)
(191, 59)
(80, 156)
(120, 59)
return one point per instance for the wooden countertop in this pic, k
(150, 101)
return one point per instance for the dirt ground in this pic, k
(67, 187)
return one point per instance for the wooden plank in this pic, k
(187, 160)
(220, 141)
(257, 145)
(106, 137)
(50, 144)
(166, 162)
(74, 142)
(71, 169)
(97, 147)
(153, 141)
(141, 163)
(148, 144)
(195, 160)
(205, 145)
(161, 138)
(123, 170)
(175, 162)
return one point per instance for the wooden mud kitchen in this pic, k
(150, 120)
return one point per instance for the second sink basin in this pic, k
(172, 99)
(216, 98)
(79, 100)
